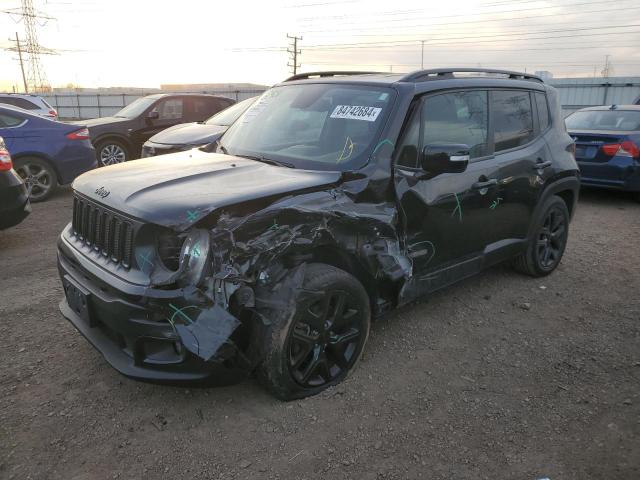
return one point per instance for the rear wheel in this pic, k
(39, 177)
(110, 152)
(547, 244)
(323, 340)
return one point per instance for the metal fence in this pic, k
(577, 93)
(80, 106)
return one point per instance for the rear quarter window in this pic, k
(9, 120)
(543, 110)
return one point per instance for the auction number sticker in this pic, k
(356, 112)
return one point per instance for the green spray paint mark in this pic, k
(196, 250)
(179, 311)
(379, 145)
(458, 208)
(191, 216)
(495, 203)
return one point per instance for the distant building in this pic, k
(544, 74)
(208, 87)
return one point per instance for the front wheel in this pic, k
(320, 344)
(110, 152)
(546, 245)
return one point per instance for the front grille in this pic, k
(106, 232)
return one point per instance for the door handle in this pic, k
(541, 165)
(482, 185)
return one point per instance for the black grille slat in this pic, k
(106, 232)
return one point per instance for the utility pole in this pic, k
(422, 56)
(294, 52)
(24, 77)
(18, 48)
(607, 67)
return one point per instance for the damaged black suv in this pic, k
(334, 198)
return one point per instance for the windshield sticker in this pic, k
(347, 150)
(356, 112)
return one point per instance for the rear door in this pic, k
(523, 163)
(11, 129)
(445, 217)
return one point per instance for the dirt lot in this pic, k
(499, 377)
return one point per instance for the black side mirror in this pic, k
(440, 158)
(153, 115)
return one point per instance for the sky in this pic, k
(140, 43)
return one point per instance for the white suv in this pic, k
(32, 103)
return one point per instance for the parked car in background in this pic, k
(608, 146)
(45, 153)
(333, 199)
(119, 138)
(33, 103)
(191, 135)
(14, 198)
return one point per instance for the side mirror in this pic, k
(440, 158)
(153, 115)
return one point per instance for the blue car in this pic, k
(45, 153)
(608, 146)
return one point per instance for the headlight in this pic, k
(194, 257)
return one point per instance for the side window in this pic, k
(8, 120)
(457, 117)
(19, 102)
(543, 110)
(170, 109)
(512, 119)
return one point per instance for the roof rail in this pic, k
(305, 76)
(440, 73)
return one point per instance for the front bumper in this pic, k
(128, 325)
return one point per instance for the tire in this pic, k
(111, 152)
(39, 177)
(302, 356)
(548, 241)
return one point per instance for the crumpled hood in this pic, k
(189, 134)
(179, 189)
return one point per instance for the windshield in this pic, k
(135, 108)
(230, 114)
(619, 120)
(312, 126)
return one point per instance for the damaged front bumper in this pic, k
(157, 335)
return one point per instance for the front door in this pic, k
(445, 218)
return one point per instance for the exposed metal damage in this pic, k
(256, 268)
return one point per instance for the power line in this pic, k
(487, 20)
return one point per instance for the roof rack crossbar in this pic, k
(305, 76)
(440, 73)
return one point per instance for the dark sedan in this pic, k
(608, 146)
(119, 138)
(191, 135)
(14, 199)
(45, 153)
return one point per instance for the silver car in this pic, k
(33, 103)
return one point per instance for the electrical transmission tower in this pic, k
(36, 78)
(294, 52)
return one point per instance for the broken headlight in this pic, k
(194, 257)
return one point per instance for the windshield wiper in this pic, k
(260, 158)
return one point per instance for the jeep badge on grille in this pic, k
(102, 192)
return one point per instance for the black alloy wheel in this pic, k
(320, 342)
(547, 241)
(324, 341)
(551, 240)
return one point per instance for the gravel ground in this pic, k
(498, 377)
